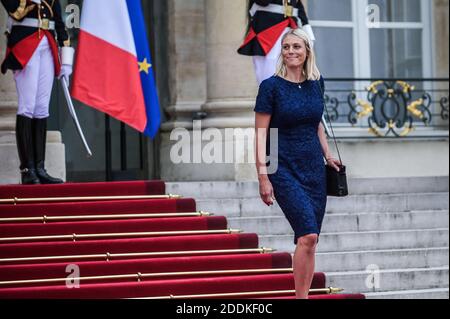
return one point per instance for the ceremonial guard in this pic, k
(269, 20)
(38, 49)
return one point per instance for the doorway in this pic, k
(119, 152)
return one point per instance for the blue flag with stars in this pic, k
(145, 68)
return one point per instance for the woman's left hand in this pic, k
(335, 163)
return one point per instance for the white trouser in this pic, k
(34, 83)
(265, 66)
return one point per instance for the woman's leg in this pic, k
(304, 265)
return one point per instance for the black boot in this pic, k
(40, 140)
(25, 149)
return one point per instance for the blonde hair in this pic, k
(310, 68)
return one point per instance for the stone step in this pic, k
(370, 240)
(278, 225)
(357, 186)
(384, 259)
(252, 207)
(389, 203)
(389, 280)
(438, 293)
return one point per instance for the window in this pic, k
(399, 40)
(399, 10)
(348, 47)
(333, 27)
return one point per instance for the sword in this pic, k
(74, 115)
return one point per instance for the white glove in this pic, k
(36, 1)
(309, 31)
(67, 55)
(66, 72)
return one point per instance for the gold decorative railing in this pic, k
(390, 107)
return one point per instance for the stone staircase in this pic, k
(389, 239)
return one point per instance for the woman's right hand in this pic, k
(266, 192)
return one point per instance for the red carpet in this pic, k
(155, 265)
(115, 246)
(133, 248)
(158, 288)
(112, 226)
(99, 208)
(84, 189)
(318, 297)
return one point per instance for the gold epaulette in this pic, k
(22, 10)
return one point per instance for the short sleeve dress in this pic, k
(299, 181)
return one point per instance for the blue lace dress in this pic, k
(299, 182)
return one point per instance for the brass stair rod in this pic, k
(16, 200)
(74, 237)
(45, 219)
(140, 276)
(109, 256)
(328, 291)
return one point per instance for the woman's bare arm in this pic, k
(262, 123)
(326, 148)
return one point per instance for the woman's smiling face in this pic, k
(294, 51)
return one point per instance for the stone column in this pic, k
(8, 100)
(231, 83)
(441, 27)
(9, 161)
(441, 58)
(227, 111)
(186, 67)
(231, 80)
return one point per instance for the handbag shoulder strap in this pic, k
(331, 125)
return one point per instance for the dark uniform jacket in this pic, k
(23, 40)
(265, 28)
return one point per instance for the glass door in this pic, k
(119, 152)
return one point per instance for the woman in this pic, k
(35, 30)
(269, 20)
(292, 102)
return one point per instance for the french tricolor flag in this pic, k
(113, 70)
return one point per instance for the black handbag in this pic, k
(337, 185)
(337, 182)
